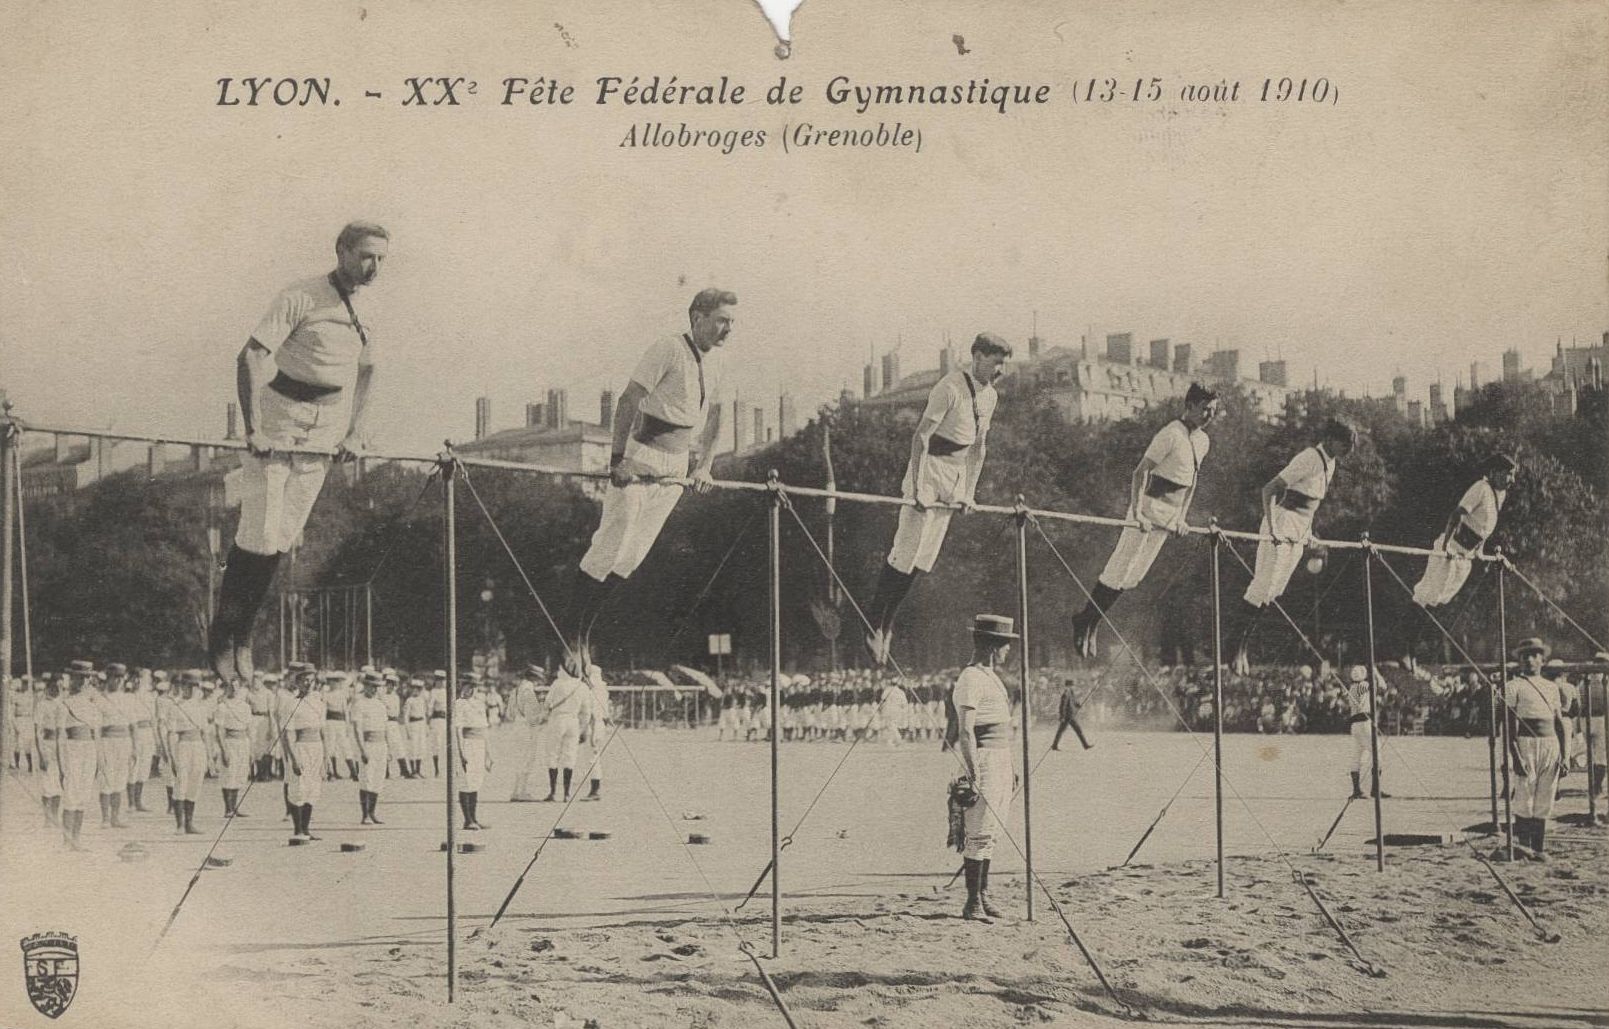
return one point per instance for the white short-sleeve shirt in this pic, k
(682, 382)
(1178, 452)
(1532, 696)
(963, 408)
(313, 337)
(1309, 473)
(981, 689)
(1481, 504)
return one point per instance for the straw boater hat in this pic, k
(997, 627)
(1532, 645)
(82, 668)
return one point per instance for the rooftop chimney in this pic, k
(1159, 354)
(1181, 359)
(483, 417)
(1120, 347)
(1272, 372)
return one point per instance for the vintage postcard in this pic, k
(687, 514)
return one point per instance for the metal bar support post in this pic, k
(1502, 704)
(1374, 707)
(1027, 706)
(1218, 703)
(775, 700)
(449, 478)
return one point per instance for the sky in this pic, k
(1452, 203)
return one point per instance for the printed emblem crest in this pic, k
(50, 969)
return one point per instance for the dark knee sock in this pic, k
(568, 773)
(1101, 599)
(892, 587)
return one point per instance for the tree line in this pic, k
(119, 571)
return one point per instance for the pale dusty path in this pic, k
(635, 938)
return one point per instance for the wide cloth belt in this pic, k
(144, 723)
(234, 734)
(80, 732)
(305, 735)
(1294, 501)
(662, 435)
(47, 734)
(472, 733)
(335, 716)
(993, 735)
(1466, 537)
(373, 735)
(1535, 727)
(1158, 487)
(187, 734)
(296, 389)
(416, 719)
(943, 446)
(113, 730)
(1355, 719)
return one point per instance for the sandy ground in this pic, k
(624, 931)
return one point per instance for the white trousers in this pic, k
(528, 763)
(190, 760)
(371, 775)
(1444, 576)
(634, 514)
(472, 774)
(111, 774)
(1533, 793)
(77, 773)
(335, 742)
(144, 750)
(262, 736)
(920, 534)
(49, 779)
(277, 492)
(1277, 561)
(1136, 551)
(234, 775)
(985, 819)
(1362, 755)
(307, 787)
(563, 740)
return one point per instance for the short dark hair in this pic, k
(1501, 463)
(708, 300)
(1336, 430)
(989, 343)
(1199, 394)
(356, 232)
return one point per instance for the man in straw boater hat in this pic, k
(114, 767)
(231, 726)
(303, 733)
(471, 753)
(76, 749)
(47, 727)
(1360, 708)
(187, 732)
(1537, 745)
(305, 381)
(982, 735)
(670, 410)
(1160, 491)
(947, 452)
(1289, 502)
(370, 720)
